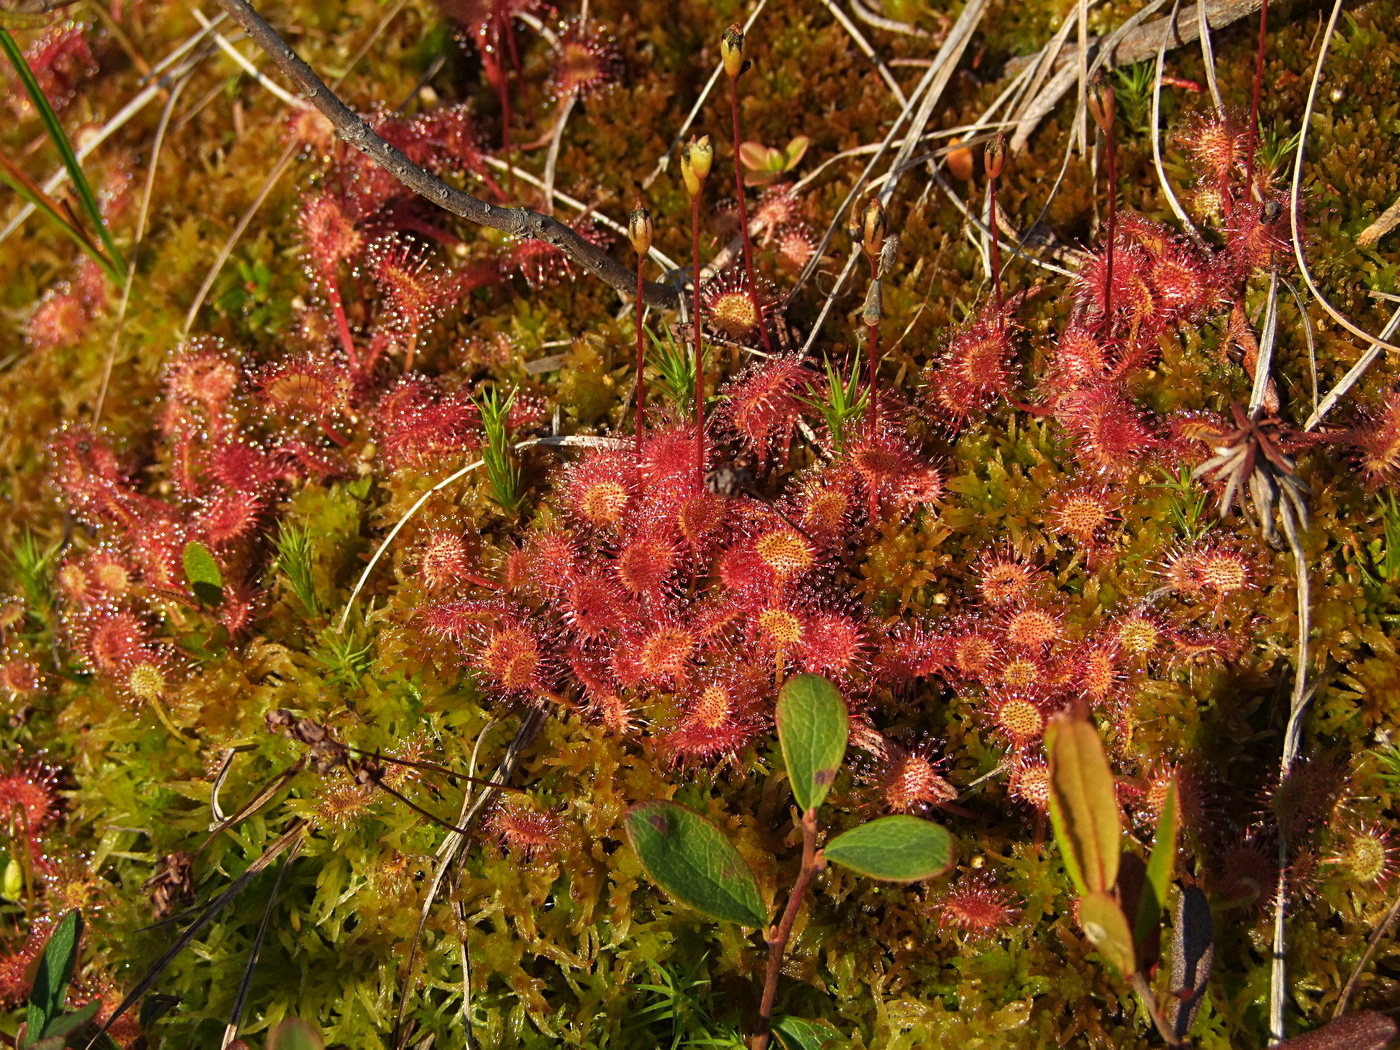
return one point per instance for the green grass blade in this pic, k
(64, 147)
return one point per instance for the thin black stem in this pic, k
(519, 222)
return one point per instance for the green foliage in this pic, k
(895, 849)
(502, 469)
(842, 405)
(812, 730)
(1083, 806)
(675, 365)
(31, 564)
(105, 256)
(688, 857)
(202, 572)
(295, 561)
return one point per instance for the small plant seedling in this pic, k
(764, 164)
(690, 858)
(502, 470)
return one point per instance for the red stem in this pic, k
(699, 349)
(1254, 102)
(778, 937)
(641, 360)
(744, 216)
(342, 323)
(996, 252)
(1112, 224)
(872, 349)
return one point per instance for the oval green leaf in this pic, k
(202, 571)
(689, 858)
(812, 730)
(292, 1033)
(1083, 806)
(896, 849)
(1103, 922)
(798, 1033)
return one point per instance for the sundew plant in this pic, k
(636, 524)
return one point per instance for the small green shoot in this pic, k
(841, 406)
(676, 368)
(502, 470)
(107, 255)
(1133, 93)
(764, 163)
(32, 567)
(1187, 509)
(295, 560)
(1385, 552)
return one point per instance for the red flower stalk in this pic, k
(1101, 106)
(639, 232)
(696, 159)
(994, 160)
(732, 50)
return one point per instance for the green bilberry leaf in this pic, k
(202, 571)
(294, 1034)
(1103, 922)
(812, 730)
(689, 858)
(896, 849)
(1160, 863)
(55, 968)
(798, 1033)
(1083, 806)
(61, 1024)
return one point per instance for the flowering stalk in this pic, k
(639, 232)
(994, 160)
(1101, 105)
(731, 48)
(1254, 102)
(871, 233)
(696, 159)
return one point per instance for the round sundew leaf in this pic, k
(895, 849)
(689, 858)
(812, 730)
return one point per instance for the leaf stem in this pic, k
(778, 936)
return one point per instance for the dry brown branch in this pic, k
(518, 222)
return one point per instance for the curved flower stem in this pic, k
(641, 354)
(699, 346)
(812, 863)
(744, 217)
